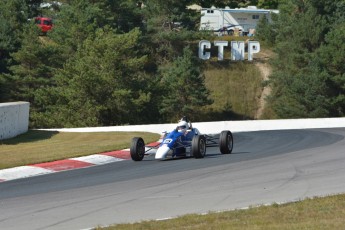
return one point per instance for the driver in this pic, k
(182, 126)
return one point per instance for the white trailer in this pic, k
(229, 20)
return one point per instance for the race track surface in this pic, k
(265, 167)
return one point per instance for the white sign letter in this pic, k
(253, 48)
(220, 45)
(237, 50)
(202, 45)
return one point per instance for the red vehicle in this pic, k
(45, 24)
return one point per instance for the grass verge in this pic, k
(235, 86)
(235, 89)
(38, 146)
(316, 214)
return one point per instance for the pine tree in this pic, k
(13, 17)
(33, 70)
(184, 85)
(332, 56)
(103, 84)
(301, 85)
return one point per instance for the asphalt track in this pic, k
(265, 167)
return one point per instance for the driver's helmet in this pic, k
(182, 126)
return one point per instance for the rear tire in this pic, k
(199, 146)
(137, 149)
(231, 32)
(226, 142)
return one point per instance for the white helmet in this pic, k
(182, 126)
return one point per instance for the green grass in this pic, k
(43, 146)
(316, 214)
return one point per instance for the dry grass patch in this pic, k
(234, 86)
(316, 214)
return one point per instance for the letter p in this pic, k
(253, 48)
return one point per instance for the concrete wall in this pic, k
(14, 119)
(218, 126)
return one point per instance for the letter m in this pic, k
(237, 50)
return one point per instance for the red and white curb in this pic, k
(63, 165)
(67, 164)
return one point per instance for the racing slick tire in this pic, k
(137, 149)
(199, 146)
(226, 142)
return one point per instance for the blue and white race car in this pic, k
(184, 141)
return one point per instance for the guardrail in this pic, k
(14, 119)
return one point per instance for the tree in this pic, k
(35, 64)
(304, 82)
(124, 15)
(332, 56)
(76, 21)
(34, 7)
(184, 86)
(229, 3)
(170, 14)
(267, 31)
(103, 84)
(268, 4)
(13, 16)
(301, 95)
(169, 26)
(96, 67)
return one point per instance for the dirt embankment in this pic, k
(262, 63)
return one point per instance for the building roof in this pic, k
(249, 9)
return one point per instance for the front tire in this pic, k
(199, 146)
(226, 142)
(137, 149)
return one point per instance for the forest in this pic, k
(127, 62)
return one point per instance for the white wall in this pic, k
(218, 126)
(14, 119)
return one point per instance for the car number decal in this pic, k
(167, 141)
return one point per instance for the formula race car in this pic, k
(184, 141)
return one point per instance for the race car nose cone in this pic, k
(162, 152)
